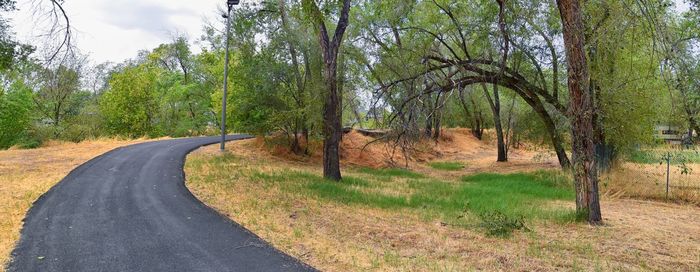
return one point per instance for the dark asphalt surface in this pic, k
(128, 210)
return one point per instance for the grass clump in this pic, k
(498, 224)
(447, 166)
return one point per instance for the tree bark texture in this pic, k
(332, 127)
(581, 112)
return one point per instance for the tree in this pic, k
(451, 57)
(128, 104)
(11, 51)
(15, 113)
(581, 110)
(183, 100)
(330, 48)
(679, 43)
(59, 95)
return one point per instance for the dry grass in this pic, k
(27, 174)
(332, 236)
(648, 181)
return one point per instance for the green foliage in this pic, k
(625, 73)
(128, 105)
(447, 166)
(15, 113)
(11, 51)
(498, 224)
(276, 78)
(59, 96)
(167, 92)
(658, 156)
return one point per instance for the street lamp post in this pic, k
(229, 4)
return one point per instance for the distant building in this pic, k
(670, 134)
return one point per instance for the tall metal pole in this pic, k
(223, 107)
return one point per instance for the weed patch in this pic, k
(498, 224)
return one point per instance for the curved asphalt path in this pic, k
(128, 210)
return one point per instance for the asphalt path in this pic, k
(129, 210)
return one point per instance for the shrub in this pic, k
(499, 224)
(15, 106)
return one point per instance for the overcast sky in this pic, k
(115, 30)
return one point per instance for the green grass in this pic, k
(447, 166)
(657, 156)
(516, 195)
(390, 172)
(513, 197)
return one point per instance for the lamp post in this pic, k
(229, 5)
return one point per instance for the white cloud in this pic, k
(117, 30)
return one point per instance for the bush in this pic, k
(15, 106)
(499, 224)
(34, 137)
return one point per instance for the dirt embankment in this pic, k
(456, 145)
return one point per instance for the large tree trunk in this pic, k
(332, 130)
(581, 110)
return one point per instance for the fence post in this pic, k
(668, 172)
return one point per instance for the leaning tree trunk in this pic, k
(581, 110)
